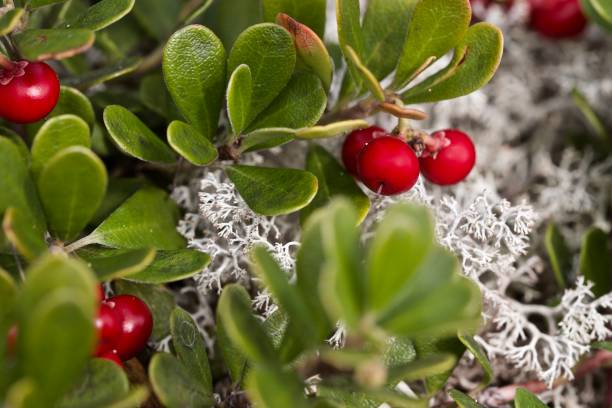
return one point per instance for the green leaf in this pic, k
(102, 383)
(10, 20)
(400, 245)
(174, 385)
(266, 138)
(331, 130)
(480, 53)
(273, 387)
(158, 18)
(38, 45)
(159, 299)
(190, 348)
(333, 181)
(272, 191)
(422, 368)
(300, 104)
(463, 400)
(559, 254)
(525, 399)
(437, 26)
(172, 266)
(432, 346)
(147, 219)
(602, 345)
(198, 11)
(17, 139)
(348, 17)
(71, 186)
(55, 135)
(595, 261)
(105, 74)
(286, 296)
(136, 397)
(241, 326)
(133, 137)
(73, 101)
(589, 114)
(102, 14)
(311, 50)
(600, 11)
(310, 13)
(269, 52)
(19, 230)
(61, 333)
(232, 357)
(480, 355)
(191, 144)
(239, 93)
(229, 18)
(118, 190)
(343, 281)
(385, 25)
(8, 290)
(155, 96)
(108, 263)
(194, 71)
(366, 76)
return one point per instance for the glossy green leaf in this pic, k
(171, 266)
(596, 262)
(18, 141)
(600, 11)
(102, 383)
(241, 326)
(19, 230)
(159, 299)
(61, 333)
(194, 71)
(437, 26)
(174, 385)
(480, 355)
(273, 191)
(73, 101)
(266, 138)
(191, 144)
(385, 25)
(311, 50)
(366, 76)
(301, 104)
(343, 281)
(38, 45)
(133, 137)
(147, 219)
(463, 400)
(400, 245)
(55, 135)
(332, 129)
(422, 368)
(273, 387)
(102, 14)
(71, 186)
(348, 17)
(269, 52)
(481, 52)
(190, 348)
(105, 74)
(559, 254)
(239, 93)
(10, 20)
(310, 13)
(110, 263)
(525, 399)
(334, 181)
(233, 359)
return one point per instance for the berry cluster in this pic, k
(28, 90)
(123, 325)
(387, 164)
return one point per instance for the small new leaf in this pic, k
(191, 144)
(239, 93)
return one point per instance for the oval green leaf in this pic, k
(331, 130)
(266, 138)
(239, 93)
(596, 261)
(10, 20)
(272, 191)
(44, 44)
(191, 144)
(23, 234)
(171, 266)
(110, 263)
(102, 14)
(525, 399)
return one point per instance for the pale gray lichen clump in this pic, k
(526, 176)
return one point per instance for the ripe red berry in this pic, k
(453, 162)
(136, 324)
(387, 165)
(354, 144)
(112, 356)
(28, 92)
(108, 329)
(557, 18)
(100, 293)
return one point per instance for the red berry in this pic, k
(108, 329)
(453, 162)
(135, 321)
(557, 18)
(112, 356)
(100, 293)
(11, 340)
(354, 144)
(387, 165)
(28, 92)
